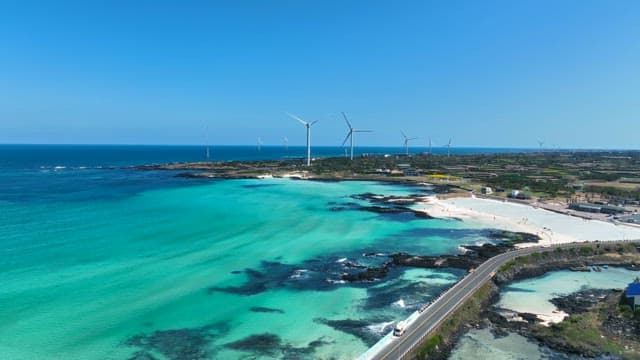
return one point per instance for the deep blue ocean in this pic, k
(46, 156)
(84, 172)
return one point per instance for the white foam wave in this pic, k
(380, 328)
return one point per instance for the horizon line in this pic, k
(326, 146)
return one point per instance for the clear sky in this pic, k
(485, 73)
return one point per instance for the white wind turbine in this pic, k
(406, 142)
(308, 125)
(540, 143)
(449, 148)
(286, 143)
(206, 129)
(350, 133)
(259, 143)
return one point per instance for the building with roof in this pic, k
(597, 208)
(633, 294)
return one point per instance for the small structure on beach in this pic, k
(597, 208)
(518, 194)
(633, 294)
(486, 190)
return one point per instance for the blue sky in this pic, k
(485, 73)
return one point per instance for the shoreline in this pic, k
(539, 267)
(494, 213)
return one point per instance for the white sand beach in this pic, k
(553, 228)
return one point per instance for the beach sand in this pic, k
(553, 228)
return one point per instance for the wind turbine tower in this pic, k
(308, 125)
(449, 148)
(540, 143)
(406, 142)
(259, 143)
(206, 129)
(286, 144)
(350, 133)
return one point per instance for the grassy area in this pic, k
(582, 331)
(467, 313)
(594, 250)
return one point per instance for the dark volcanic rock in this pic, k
(370, 274)
(266, 344)
(436, 262)
(474, 256)
(528, 317)
(261, 309)
(177, 344)
(580, 302)
(270, 345)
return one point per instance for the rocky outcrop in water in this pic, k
(383, 205)
(260, 309)
(272, 346)
(474, 256)
(176, 344)
(581, 301)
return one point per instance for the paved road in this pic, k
(442, 307)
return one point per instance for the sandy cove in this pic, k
(553, 228)
(449, 208)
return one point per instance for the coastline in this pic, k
(537, 266)
(466, 207)
(551, 227)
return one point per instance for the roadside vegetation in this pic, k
(438, 344)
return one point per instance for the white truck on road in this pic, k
(399, 329)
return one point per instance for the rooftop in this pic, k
(633, 289)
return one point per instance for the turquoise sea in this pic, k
(100, 261)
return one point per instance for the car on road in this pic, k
(399, 329)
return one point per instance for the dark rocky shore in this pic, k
(596, 326)
(474, 255)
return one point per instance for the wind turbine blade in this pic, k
(297, 118)
(362, 130)
(347, 138)
(415, 138)
(313, 122)
(403, 135)
(345, 119)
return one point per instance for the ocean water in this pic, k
(100, 261)
(29, 156)
(482, 344)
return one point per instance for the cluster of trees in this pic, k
(514, 181)
(614, 191)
